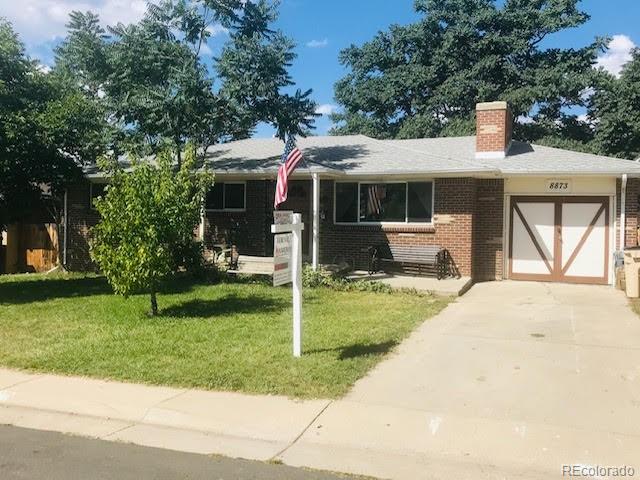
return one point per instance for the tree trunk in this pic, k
(57, 214)
(154, 300)
(179, 153)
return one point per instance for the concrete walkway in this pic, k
(513, 380)
(236, 425)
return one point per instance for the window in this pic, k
(96, 190)
(389, 202)
(346, 202)
(226, 196)
(419, 202)
(383, 202)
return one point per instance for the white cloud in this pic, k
(524, 119)
(41, 21)
(326, 109)
(205, 50)
(617, 55)
(217, 29)
(318, 43)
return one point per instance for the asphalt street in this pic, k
(37, 455)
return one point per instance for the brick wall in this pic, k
(631, 212)
(467, 216)
(249, 230)
(81, 218)
(453, 214)
(488, 224)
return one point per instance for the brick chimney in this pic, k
(493, 129)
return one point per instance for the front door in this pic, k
(559, 239)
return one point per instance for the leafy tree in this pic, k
(253, 67)
(424, 79)
(46, 126)
(148, 218)
(615, 112)
(158, 90)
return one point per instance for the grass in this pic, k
(227, 336)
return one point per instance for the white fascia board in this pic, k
(568, 173)
(424, 173)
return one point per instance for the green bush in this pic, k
(322, 278)
(148, 216)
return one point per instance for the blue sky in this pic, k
(321, 28)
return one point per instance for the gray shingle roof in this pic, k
(365, 156)
(355, 154)
(361, 155)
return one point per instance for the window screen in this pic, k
(383, 202)
(234, 196)
(346, 202)
(215, 197)
(420, 197)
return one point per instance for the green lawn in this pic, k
(226, 336)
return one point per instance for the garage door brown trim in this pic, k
(558, 274)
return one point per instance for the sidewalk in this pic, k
(343, 436)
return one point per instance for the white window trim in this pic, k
(224, 209)
(395, 223)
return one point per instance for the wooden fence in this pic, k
(31, 247)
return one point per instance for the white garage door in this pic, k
(560, 239)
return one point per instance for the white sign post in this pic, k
(287, 258)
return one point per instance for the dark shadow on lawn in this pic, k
(27, 291)
(359, 349)
(227, 305)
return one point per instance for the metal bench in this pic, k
(427, 260)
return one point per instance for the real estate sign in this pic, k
(282, 250)
(287, 263)
(283, 217)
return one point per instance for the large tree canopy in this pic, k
(424, 79)
(159, 91)
(615, 112)
(47, 125)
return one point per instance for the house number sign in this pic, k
(558, 185)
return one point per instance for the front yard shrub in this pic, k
(323, 278)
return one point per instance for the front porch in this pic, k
(451, 287)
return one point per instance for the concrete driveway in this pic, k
(513, 380)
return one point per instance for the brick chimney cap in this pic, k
(492, 106)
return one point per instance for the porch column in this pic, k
(315, 253)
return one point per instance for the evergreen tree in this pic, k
(615, 112)
(424, 79)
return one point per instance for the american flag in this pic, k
(376, 195)
(290, 160)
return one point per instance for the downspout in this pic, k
(64, 235)
(315, 257)
(623, 208)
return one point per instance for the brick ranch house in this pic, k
(503, 208)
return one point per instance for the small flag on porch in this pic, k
(290, 160)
